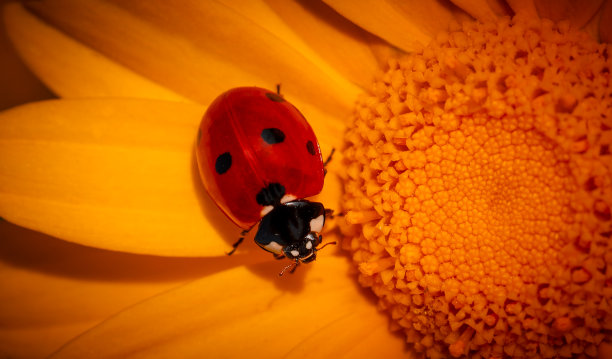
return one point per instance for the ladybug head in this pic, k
(292, 230)
(304, 250)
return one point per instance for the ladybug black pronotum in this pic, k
(258, 159)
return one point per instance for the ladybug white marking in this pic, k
(286, 198)
(274, 248)
(295, 253)
(316, 224)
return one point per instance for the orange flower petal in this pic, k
(249, 311)
(577, 12)
(592, 27)
(332, 190)
(19, 85)
(70, 68)
(406, 24)
(200, 49)
(79, 71)
(118, 174)
(53, 291)
(115, 174)
(525, 8)
(330, 35)
(605, 23)
(484, 9)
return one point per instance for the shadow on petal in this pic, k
(34, 251)
(224, 226)
(237, 314)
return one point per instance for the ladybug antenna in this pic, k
(326, 244)
(294, 265)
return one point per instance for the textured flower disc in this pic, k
(478, 192)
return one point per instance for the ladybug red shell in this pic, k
(258, 158)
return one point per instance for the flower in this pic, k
(131, 260)
(480, 186)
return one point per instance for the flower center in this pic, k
(478, 192)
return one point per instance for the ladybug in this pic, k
(258, 159)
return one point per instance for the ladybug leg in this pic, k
(328, 160)
(278, 256)
(329, 213)
(278, 89)
(235, 245)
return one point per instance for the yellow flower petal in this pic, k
(249, 312)
(116, 174)
(484, 9)
(71, 69)
(53, 291)
(74, 70)
(330, 35)
(406, 24)
(79, 71)
(200, 51)
(577, 12)
(120, 175)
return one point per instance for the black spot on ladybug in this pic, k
(199, 135)
(274, 97)
(311, 148)
(272, 135)
(223, 163)
(271, 195)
